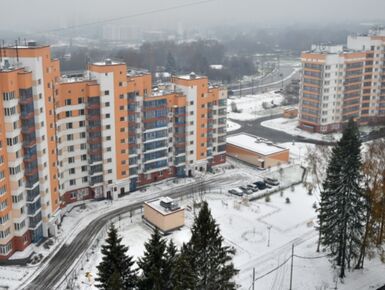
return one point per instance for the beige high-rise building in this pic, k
(343, 82)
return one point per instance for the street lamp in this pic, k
(268, 235)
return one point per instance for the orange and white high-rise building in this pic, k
(343, 82)
(100, 134)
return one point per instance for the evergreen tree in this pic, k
(115, 270)
(210, 260)
(171, 256)
(153, 264)
(183, 277)
(342, 206)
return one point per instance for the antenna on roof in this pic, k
(17, 51)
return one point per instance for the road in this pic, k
(56, 268)
(273, 81)
(254, 127)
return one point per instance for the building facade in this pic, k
(343, 82)
(100, 134)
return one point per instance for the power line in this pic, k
(310, 258)
(272, 270)
(149, 12)
(282, 264)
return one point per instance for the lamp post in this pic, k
(268, 235)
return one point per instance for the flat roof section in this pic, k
(254, 144)
(155, 204)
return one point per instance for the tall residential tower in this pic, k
(340, 83)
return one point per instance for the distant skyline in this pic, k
(31, 16)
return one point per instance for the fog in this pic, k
(39, 15)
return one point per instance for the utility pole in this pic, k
(240, 88)
(291, 267)
(252, 86)
(253, 278)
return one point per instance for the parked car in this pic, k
(271, 181)
(244, 188)
(236, 191)
(255, 189)
(261, 185)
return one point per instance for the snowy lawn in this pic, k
(251, 106)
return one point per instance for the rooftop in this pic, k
(190, 76)
(157, 205)
(254, 143)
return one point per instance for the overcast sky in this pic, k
(37, 14)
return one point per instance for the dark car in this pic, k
(244, 188)
(261, 185)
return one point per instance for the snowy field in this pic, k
(251, 106)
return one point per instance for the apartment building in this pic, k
(98, 134)
(343, 82)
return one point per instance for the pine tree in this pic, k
(342, 207)
(115, 270)
(210, 260)
(171, 255)
(183, 277)
(153, 264)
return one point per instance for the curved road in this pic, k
(254, 127)
(55, 270)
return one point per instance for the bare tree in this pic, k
(317, 161)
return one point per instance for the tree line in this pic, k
(169, 56)
(202, 263)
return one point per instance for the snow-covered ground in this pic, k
(251, 106)
(232, 126)
(289, 126)
(245, 226)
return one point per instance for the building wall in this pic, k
(254, 158)
(165, 223)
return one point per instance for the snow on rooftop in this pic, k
(156, 204)
(253, 143)
(191, 76)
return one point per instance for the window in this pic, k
(70, 137)
(81, 123)
(68, 102)
(72, 171)
(71, 160)
(84, 179)
(106, 93)
(107, 104)
(84, 168)
(80, 100)
(68, 114)
(81, 112)
(72, 182)
(69, 125)
(84, 157)
(107, 116)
